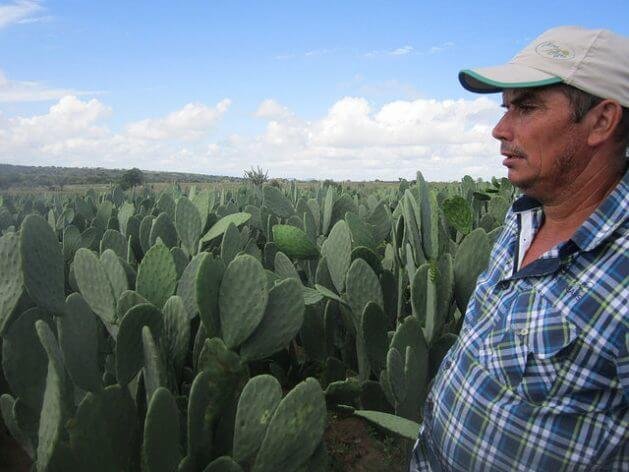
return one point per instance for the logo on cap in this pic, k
(552, 50)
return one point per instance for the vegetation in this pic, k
(56, 178)
(256, 176)
(219, 330)
(131, 178)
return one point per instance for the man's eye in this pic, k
(526, 108)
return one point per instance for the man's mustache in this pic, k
(514, 151)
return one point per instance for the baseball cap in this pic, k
(592, 60)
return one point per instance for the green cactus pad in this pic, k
(419, 292)
(207, 286)
(11, 279)
(471, 259)
(223, 464)
(312, 334)
(157, 275)
(328, 206)
(363, 287)
(166, 204)
(396, 424)
(7, 407)
(199, 429)
(362, 235)
(294, 242)
(458, 213)
(52, 419)
(128, 300)
(78, 339)
(374, 332)
(256, 406)
(164, 229)
(176, 332)
(242, 299)
(186, 288)
(227, 372)
(221, 225)
(24, 360)
(395, 373)
(125, 212)
(115, 271)
(311, 296)
(322, 275)
(283, 316)
(93, 282)
(71, 242)
(231, 243)
(42, 264)
(284, 267)
(188, 223)
(160, 448)
(295, 430)
(380, 219)
(344, 392)
(337, 250)
(329, 294)
(115, 241)
(369, 257)
(342, 205)
(145, 232)
(154, 373)
(103, 433)
(275, 201)
(129, 353)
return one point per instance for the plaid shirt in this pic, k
(539, 377)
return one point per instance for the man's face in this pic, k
(542, 145)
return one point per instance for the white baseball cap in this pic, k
(595, 61)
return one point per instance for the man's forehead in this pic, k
(510, 95)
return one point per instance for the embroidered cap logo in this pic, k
(552, 50)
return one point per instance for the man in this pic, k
(539, 377)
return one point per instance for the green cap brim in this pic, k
(496, 79)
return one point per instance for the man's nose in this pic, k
(502, 131)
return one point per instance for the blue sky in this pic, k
(216, 87)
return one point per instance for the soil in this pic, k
(356, 446)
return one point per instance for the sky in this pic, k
(358, 90)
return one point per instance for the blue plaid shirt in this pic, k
(539, 377)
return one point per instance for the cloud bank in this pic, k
(21, 11)
(352, 140)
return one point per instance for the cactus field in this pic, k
(219, 330)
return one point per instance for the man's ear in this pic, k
(603, 120)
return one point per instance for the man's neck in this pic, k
(565, 213)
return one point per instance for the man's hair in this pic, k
(582, 102)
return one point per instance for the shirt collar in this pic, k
(607, 218)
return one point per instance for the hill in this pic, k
(57, 177)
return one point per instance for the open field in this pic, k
(285, 326)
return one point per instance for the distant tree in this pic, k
(131, 178)
(256, 176)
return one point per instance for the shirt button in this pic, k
(523, 332)
(447, 364)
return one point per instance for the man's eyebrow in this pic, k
(520, 98)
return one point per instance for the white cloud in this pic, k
(271, 109)
(402, 51)
(193, 121)
(28, 91)
(352, 140)
(21, 11)
(441, 47)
